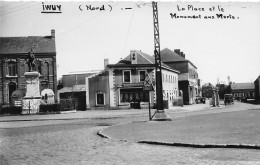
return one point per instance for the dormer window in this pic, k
(127, 76)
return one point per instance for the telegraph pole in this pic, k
(160, 113)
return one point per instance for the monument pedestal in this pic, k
(161, 116)
(32, 98)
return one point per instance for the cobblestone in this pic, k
(77, 142)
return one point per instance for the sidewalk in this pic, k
(90, 114)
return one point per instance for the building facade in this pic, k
(13, 64)
(188, 77)
(121, 84)
(243, 90)
(207, 90)
(74, 88)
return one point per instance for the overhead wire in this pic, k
(128, 32)
(77, 26)
(18, 8)
(16, 15)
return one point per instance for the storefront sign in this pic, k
(148, 88)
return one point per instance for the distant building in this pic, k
(257, 89)
(188, 77)
(74, 87)
(207, 90)
(121, 84)
(240, 90)
(13, 63)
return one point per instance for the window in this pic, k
(162, 77)
(133, 95)
(142, 75)
(11, 68)
(100, 99)
(127, 76)
(45, 71)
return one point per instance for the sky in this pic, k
(218, 47)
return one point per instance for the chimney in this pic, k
(105, 63)
(183, 55)
(133, 56)
(52, 33)
(177, 51)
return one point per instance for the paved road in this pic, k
(77, 142)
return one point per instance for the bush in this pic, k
(50, 108)
(10, 110)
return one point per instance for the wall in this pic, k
(181, 66)
(69, 80)
(184, 86)
(74, 79)
(170, 85)
(193, 74)
(98, 83)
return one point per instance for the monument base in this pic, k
(161, 116)
(31, 105)
(32, 99)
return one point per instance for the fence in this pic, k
(68, 104)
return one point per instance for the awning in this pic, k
(49, 92)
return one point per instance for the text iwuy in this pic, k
(51, 8)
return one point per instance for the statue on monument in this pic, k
(30, 61)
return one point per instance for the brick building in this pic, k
(207, 90)
(13, 64)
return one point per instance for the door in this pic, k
(12, 88)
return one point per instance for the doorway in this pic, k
(12, 88)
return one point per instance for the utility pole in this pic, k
(160, 113)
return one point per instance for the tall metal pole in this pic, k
(160, 114)
(158, 68)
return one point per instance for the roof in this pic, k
(82, 72)
(168, 55)
(13, 45)
(75, 88)
(257, 79)
(142, 58)
(241, 86)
